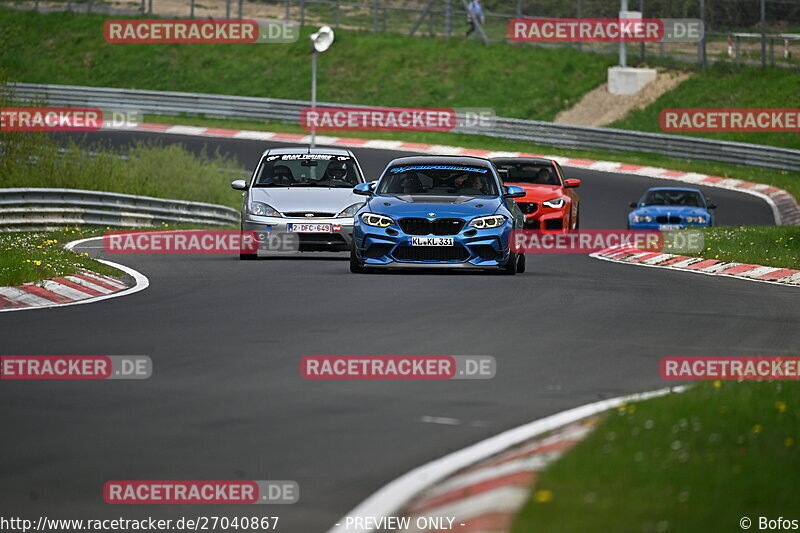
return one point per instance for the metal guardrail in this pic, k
(35, 209)
(534, 131)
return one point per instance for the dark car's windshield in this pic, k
(666, 197)
(534, 173)
(307, 170)
(439, 180)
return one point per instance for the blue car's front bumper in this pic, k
(472, 248)
(664, 227)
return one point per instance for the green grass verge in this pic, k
(35, 256)
(789, 181)
(776, 246)
(691, 462)
(32, 256)
(361, 68)
(727, 86)
(149, 170)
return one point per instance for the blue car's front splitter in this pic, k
(483, 249)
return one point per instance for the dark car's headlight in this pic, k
(695, 220)
(350, 211)
(492, 221)
(555, 203)
(641, 218)
(263, 210)
(373, 219)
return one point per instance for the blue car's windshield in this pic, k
(438, 180)
(666, 197)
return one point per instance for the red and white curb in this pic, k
(784, 206)
(698, 265)
(487, 496)
(83, 287)
(483, 485)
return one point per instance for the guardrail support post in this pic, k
(241, 8)
(374, 16)
(191, 9)
(448, 14)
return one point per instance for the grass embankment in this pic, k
(148, 170)
(692, 462)
(35, 256)
(374, 69)
(727, 86)
(361, 68)
(776, 246)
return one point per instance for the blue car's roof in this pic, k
(441, 160)
(674, 189)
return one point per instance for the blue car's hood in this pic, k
(666, 210)
(441, 207)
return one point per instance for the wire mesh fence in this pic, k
(754, 32)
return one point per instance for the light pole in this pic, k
(320, 41)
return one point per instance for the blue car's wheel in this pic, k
(356, 267)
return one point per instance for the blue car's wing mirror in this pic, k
(364, 189)
(512, 191)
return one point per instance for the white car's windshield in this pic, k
(307, 170)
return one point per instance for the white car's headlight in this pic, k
(555, 203)
(264, 210)
(641, 218)
(373, 219)
(492, 221)
(695, 220)
(350, 211)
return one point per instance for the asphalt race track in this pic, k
(226, 400)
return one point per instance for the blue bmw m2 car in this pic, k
(669, 208)
(437, 211)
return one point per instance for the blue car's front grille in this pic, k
(431, 253)
(437, 226)
(671, 220)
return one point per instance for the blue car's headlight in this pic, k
(695, 220)
(264, 210)
(492, 221)
(641, 218)
(350, 211)
(373, 219)
(555, 203)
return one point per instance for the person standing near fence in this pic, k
(474, 15)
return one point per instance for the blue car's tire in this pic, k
(510, 268)
(521, 263)
(356, 267)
